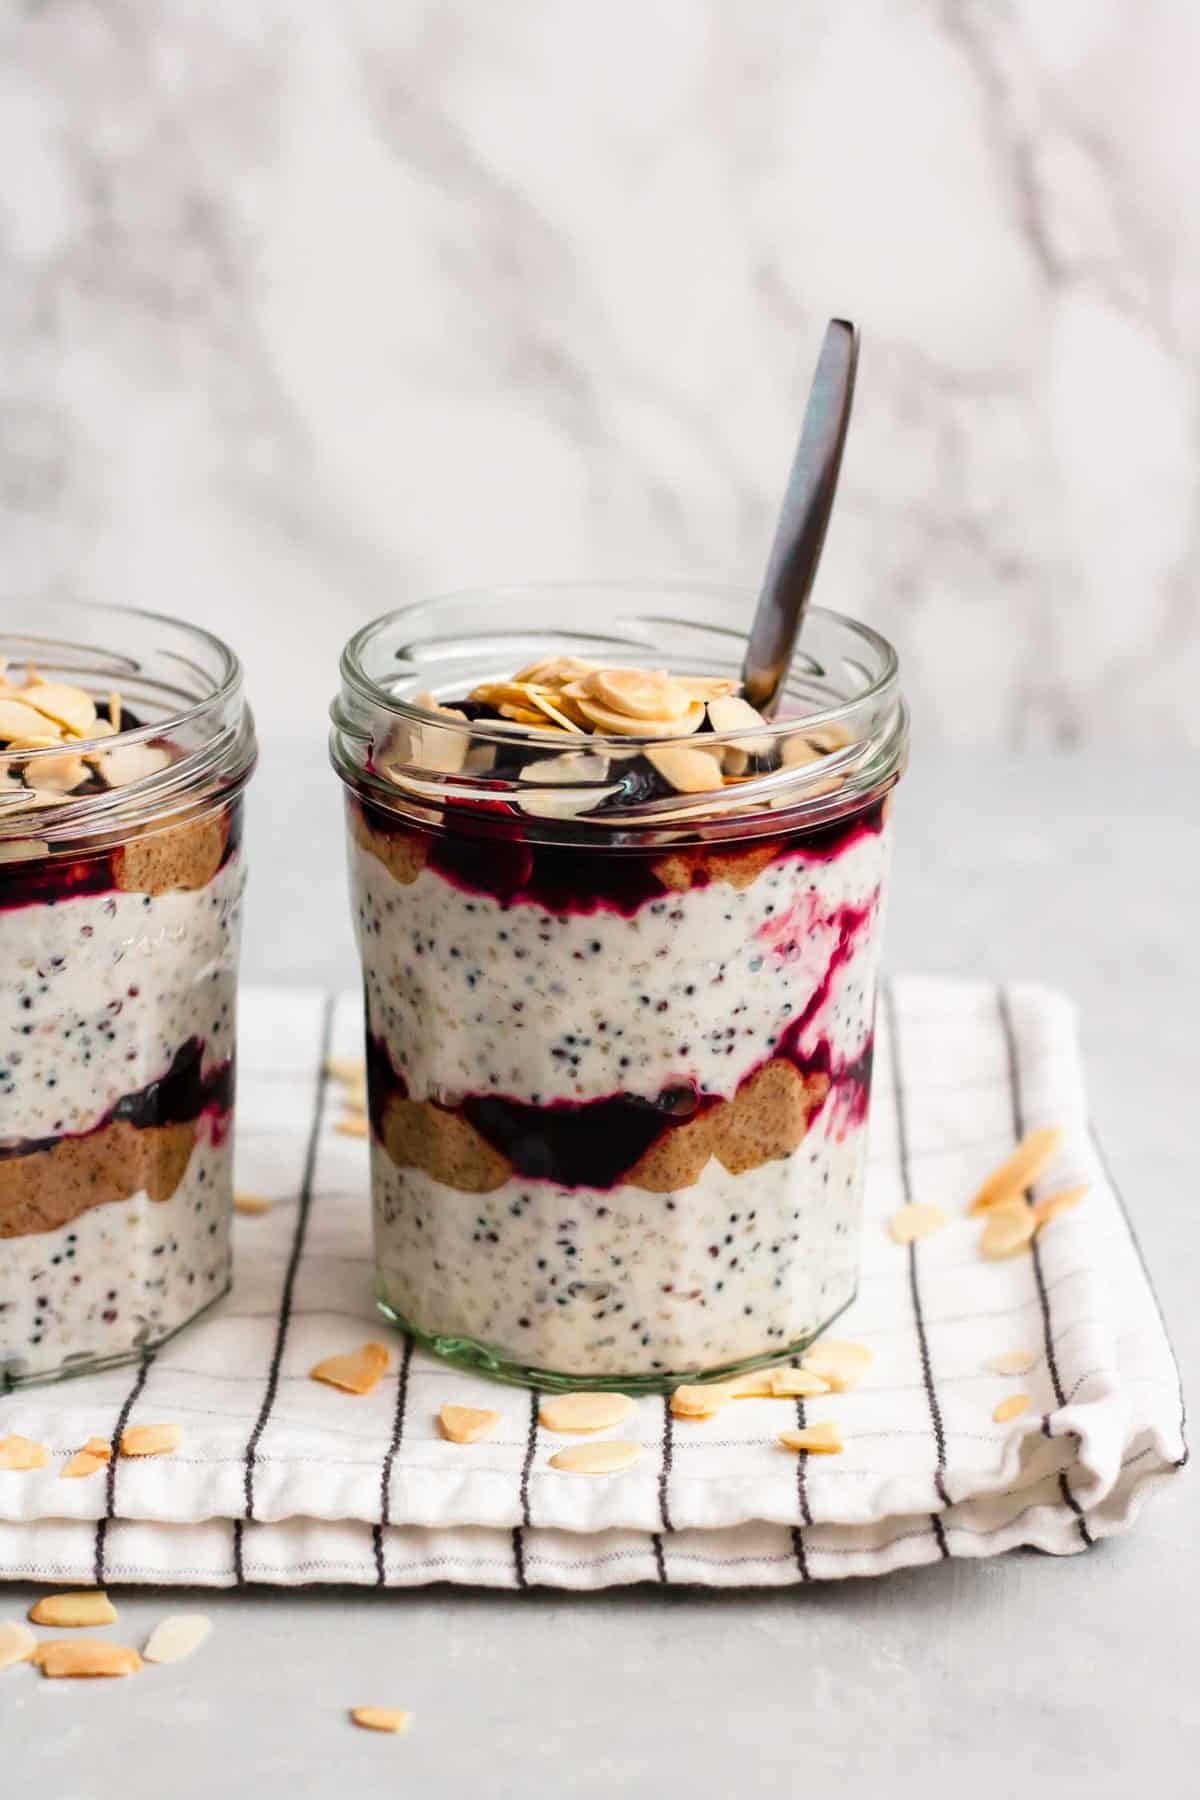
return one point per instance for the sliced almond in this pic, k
(1062, 1201)
(915, 1221)
(732, 713)
(584, 1412)
(688, 771)
(380, 1718)
(843, 1365)
(703, 1401)
(571, 766)
(127, 763)
(544, 705)
(1012, 1408)
(828, 738)
(354, 1371)
(176, 1636)
(554, 671)
(603, 719)
(151, 1440)
(1017, 1171)
(824, 1439)
(55, 774)
(17, 1642)
(22, 1453)
(1009, 1230)
(71, 1611)
(47, 740)
(69, 707)
(637, 693)
(98, 1446)
(353, 1125)
(796, 750)
(114, 712)
(84, 1462)
(603, 1457)
(350, 1069)
(251, 1203)
(57, 1657)
(706, 687)
(799, 1384)
(559, 803)
(1013, 1362)
(467, 1424)
(17, 720)
(756, 1385)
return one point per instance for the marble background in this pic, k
(308, 309)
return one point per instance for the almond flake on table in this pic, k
(354, 1371)
(1008, 1231)
(797, 1384)
(73, 1611)
(1060, 1202)
(348, 1069)
(151, 1440)
(22, 1453)
(380, 1718)
(75, 1657)
(840, 1363)
(176, 1636)
(917, 1220)
(694, 1400)
(824, 1439)
(604, 1457)
(251, 1203)
(352, 1125)
(1013, 1362)
(1012, 1408)
(467, 1424)
(17, 1642)
(84, 1462)
(1015, 1174)
(584, 1412)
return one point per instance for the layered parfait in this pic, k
(120, 893)
(619, 938)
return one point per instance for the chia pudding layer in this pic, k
(117, 1017)
(623, 1136)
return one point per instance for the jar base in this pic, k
(486, 1359)
(95, 1365)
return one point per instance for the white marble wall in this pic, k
(312, 307)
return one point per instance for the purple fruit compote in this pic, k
(619, 939)
(124, 748)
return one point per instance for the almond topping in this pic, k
(1012, 1408)
(354, 1371)
(637, 693)
(98, 1446)
(379, 1718)
(554, 671)
(57, 1657)
(251, 1203)
(693, 1401)
(584, 1412)
(353, 1125)
(688, 771)
(573, 765)
(84, 1462)
(1013, 1362)
(841, 1364)
(17, 1642)
(22, 1453)
(915, 1221)
(69, 707)
(801, 1384)
(19, 721)
(1014, 1175)
(151, 1440)
(616, 724)
(1008, 1231)
(467, 1424)
(1063, 1201)
(114, 712)
(604, 1457)
(735, 714)
(350, 1069)
(68, 1611)
(177, 1636)
(128, 763)
(824, 1439)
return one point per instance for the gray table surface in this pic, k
(1022, 1675)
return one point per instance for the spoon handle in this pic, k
(800, 535)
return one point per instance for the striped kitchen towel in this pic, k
(280, 1479)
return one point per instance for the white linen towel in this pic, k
(284, 1480)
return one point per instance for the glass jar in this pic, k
(618, 1040)
(121, 879)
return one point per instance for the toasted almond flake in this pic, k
(1012, 1408)
(127, 763)
(796, 750)
(22, 1453)
(349, 1069)
(17, 720)
(637, 693)
(467, 1424)
(824, 1439)
(354, 1099)
(176, 1636)
(380, 1718)
(98, 1446)
(353, 1125)
(17, 1642)
(559, 803)
(23, 849)
(69, 707)
(756, 1385)
(801, 1384)
(732, 713)
(696, 1402)
(1062, 1201)
(82, 1463)
(603, 1457)
(584, 1412)
(827, 738)
(1008, 1230)
(71, 1611)
(251, 1203)
(688, 771)
(55, 774)
(547, 707)
(842, 1364)
(46, 741)
(1013, 1362)
(58, 1657)
(1017, 1171)
(571, 766)
(554, 671)
(151, 1440)
(101, 729)
(915, 1221)
(706, 687)
(354, 1371)
(617, 724)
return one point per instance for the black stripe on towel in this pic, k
(110, 1474)
(385, 1474)
(518, 1537)
(664, 1486)
(799, 1550)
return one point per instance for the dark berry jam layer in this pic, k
(177, 1097)
(45, 880)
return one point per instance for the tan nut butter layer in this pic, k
(48, 1188)
(767, 1118)
(185, 856)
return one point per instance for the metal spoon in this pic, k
(800, 534)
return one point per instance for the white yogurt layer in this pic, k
(626, 1283)
(121, 1277)
(472, 996)
(98, 992)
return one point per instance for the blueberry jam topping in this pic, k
(177, 1097)
(44, 880)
